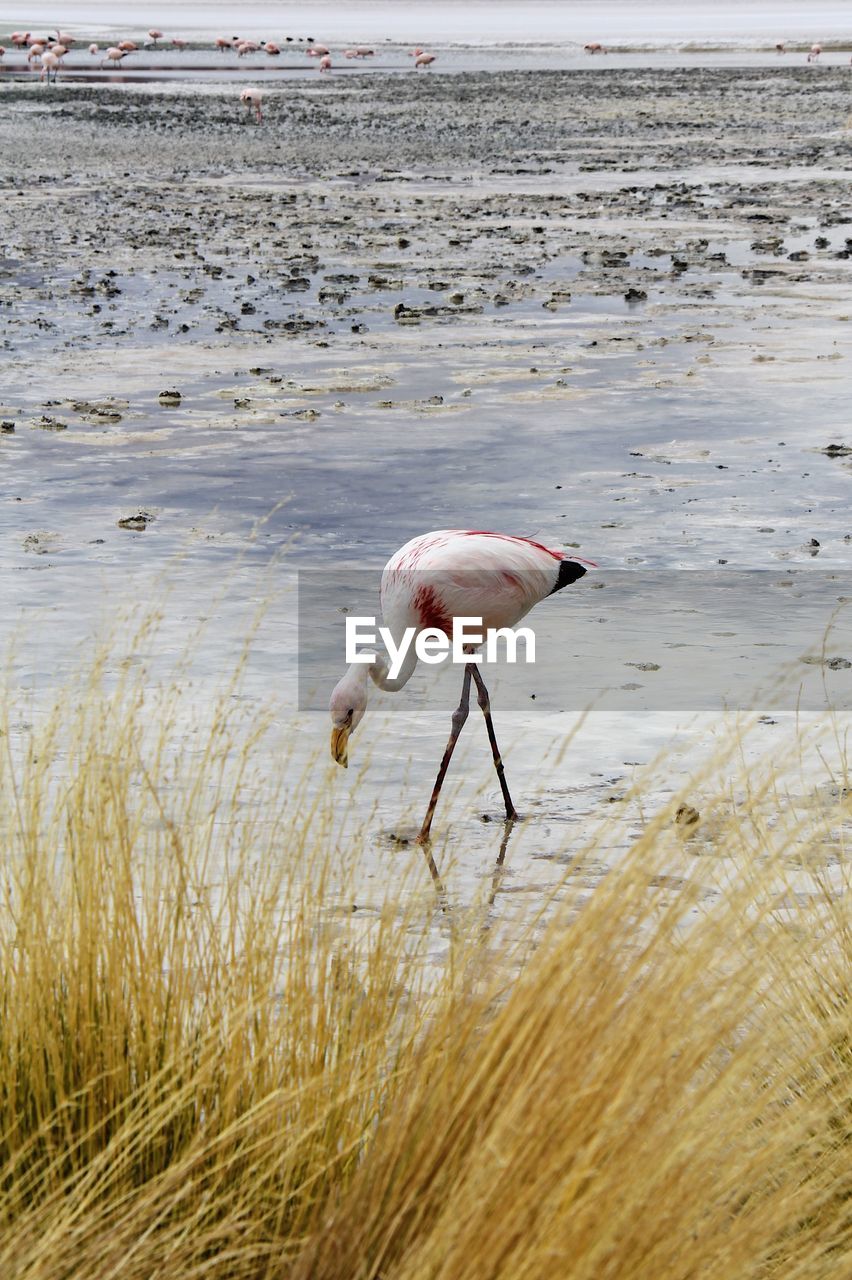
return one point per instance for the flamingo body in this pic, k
(458, 573)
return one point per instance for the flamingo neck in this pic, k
(379, 671)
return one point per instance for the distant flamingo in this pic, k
(94, 48)
(317, 51)
(424, 60)
(222, 44)
(779, 48)
(178, 44)
(247, 46)
(127, 46)
(49, 62)
(271, 48)
(36, 50)
(114, 54)
(155, 35)
(325, 63)
(2, 51)
(19, 38)
(594, 48)
(361, 51)
(253, 98)
(816, 50)
(62, 37)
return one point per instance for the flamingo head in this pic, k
(346, 706)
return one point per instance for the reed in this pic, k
(211, 1067)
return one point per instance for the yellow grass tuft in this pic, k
(211, 1067)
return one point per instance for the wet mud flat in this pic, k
(605, 308)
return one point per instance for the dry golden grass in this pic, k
(209, 1071)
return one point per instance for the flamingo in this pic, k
(19, 38)
(253, 98)
(325, 62)
(155, 35)
(114, 54)
(36, 50)
(595, 47)
(271, 48)
(816, 50)
(94, 48)
(2, 51)
(428, 584)
(424, 59)
(178, 44)
(49, 62)
(222, 44)
(127, 46)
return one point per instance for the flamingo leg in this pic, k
(459, 716)
(485, 707)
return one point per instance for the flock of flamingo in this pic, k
(49, 50)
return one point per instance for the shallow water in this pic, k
(676, 438)
(645, 22)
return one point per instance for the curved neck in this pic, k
(379, 671)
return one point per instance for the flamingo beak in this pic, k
(340, 746)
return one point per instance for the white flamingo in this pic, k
(428, 583)
(49, 63)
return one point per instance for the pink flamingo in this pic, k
(415, 53)
(429, 583)
(2, 51)
(155, 35)
(594, 48)
(178, 44)
(93, 49)
(36, 50)
(325, 62)
(222, 44)
(361, 51)
(247, 46)
(127, 46)
(271, 48)
(424, 60)
(816, 50)
(317, 51)
(114, 54)
(19, 38)
(253, 98)
(62, 37)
